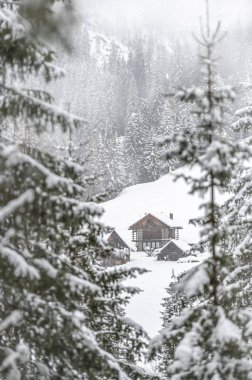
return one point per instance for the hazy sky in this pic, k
(178, 14)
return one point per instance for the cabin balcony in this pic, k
(163, 234)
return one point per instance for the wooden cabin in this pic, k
(122, 252)
(173, 250)
(154, 231)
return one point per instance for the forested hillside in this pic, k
(117, 80)
(117, 83)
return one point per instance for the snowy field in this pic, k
(163, 195)
(145, 307)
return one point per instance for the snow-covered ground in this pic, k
(145, 307)
(161, 196)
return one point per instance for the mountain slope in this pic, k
(161, 196)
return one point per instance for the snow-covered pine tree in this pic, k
(175, 116)
(133, 98)
(137, 64)
(209, 340)
(238, 289)
(151, 164)
(173, 305)
(242, 126)
(134, 145)
(118, 164)
(114, 164)
(55, 300)
(237, 226)
(152, 168)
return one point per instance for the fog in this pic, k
(125, 56)
(173, 15)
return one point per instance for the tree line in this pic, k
(62, 312)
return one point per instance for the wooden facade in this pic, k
(151, 233)
(11, 4)
(122, 254)
(172, 251)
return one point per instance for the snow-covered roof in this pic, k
(160, 216)
(107, 236)
(166, 219)
(179, 243)
(126, 239)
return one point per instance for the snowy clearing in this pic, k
(161, 196)
(145, 307)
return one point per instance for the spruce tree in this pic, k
(138, 66)
(175, 117)
(58, 306)
(173, 305)
(152, 166)
(210, 342)
(237, 227)
(134, 145)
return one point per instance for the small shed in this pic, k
(122, 250)
(173, 250)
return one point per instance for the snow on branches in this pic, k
(61, 312)
(211, 339)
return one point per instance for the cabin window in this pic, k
(158, 245)
(153, 244)
(165, 233)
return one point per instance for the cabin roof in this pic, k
(160, 216)
(179, 243)
(128, 243)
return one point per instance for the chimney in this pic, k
(171, 216)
